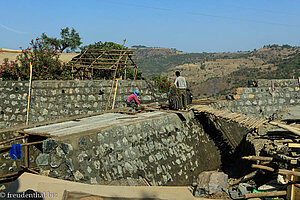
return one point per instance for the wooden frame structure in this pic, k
(92, 62)
(23, 135)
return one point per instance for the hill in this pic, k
(210, 74)
(217, 73)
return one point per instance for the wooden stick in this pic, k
(294, 145)
(112, 86)
(287, 127)
(265, 194)
(27, 117)
(36, 134)
(13, 139)
(26, 153)
(244, 178)
(283, 141)
(293, 186)
(262, 167)
(262, 158)
(115, 94)
(29, 94)
(32, 169)
(8, 175)
(288, 172)
(24, 144)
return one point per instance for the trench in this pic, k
(231, 162)
(167, 149)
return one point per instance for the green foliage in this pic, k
(45, 64)
(105, 46)
(164, 84)
(70, 40)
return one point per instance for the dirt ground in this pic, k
(12, 54)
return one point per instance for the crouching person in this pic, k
(133, 100)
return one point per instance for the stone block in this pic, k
(211, 182)
(49, 145)
(239, 91)
(42, 159)
(236, 96)
(251, 96)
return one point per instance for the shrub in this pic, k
(164, 84)
(45, 64)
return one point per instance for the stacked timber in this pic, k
(279, 158)
(247, 121)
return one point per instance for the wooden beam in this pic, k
(294, 145)
(287, 127)
(261, 158)
(13, 139)
(115, 94)
(26, 153)
(265, 194)
(288, 172)
(244, 178)
(36, 134)
(262, 167)
(23, 144)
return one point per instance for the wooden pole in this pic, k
(112, 86)
(13, 139)
(27, 118)
(293, 186)
(288, 172)
(115, 94)
(265, 194)
(263, 167)
(24, 144)
(26, 153)
(29, 94)
(244, 178)
(287, 127)
(261, 158)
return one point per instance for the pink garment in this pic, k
(133, 97)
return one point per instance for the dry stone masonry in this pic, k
(265, 100)
(60, 99)
(162, 148)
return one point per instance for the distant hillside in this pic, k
(217, 73)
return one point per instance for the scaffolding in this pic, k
(95, 63)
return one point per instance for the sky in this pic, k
(187, 25)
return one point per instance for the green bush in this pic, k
(45, 64)
(164, 84)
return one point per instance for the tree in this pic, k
(70, 40)
(105, 45)
(45, 64)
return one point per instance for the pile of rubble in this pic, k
(274, 168)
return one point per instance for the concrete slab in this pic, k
(52, 186)
(90, 123)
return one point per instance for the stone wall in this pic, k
(60, 99)
(259, 101)
(166, 149)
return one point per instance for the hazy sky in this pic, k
(187, 25)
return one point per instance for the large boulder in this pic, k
(211, 182)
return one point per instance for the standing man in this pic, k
(180, 83)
